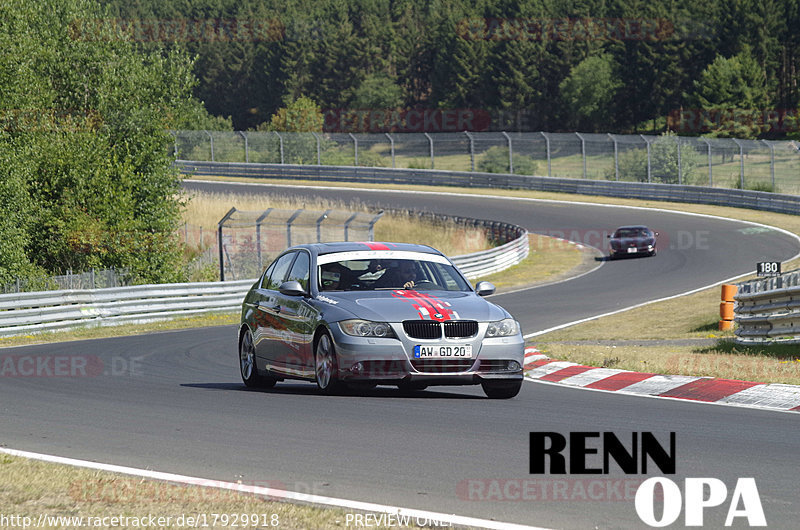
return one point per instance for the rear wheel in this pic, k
(247, 364)
(501, 389)
(326, 368)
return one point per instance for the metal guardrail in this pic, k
(50, 310)
(756, 200)
(768, 310)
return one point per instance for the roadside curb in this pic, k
(772, 396)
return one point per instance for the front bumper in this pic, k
(390, 361)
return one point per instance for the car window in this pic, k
(265, 277)
(372, 274)
(300, 270)
(279, 270)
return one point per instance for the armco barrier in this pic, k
(768, 310)
(756, 200)
(48, 310)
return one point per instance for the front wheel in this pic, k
(247, 364)
(326, 368)
(501, 389)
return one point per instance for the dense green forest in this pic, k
(553, 65)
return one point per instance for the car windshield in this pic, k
(375, 274)
(631, 232)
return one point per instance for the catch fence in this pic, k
(669, 159)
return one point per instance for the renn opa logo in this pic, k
(593, 452)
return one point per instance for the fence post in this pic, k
(91, 277)
(510, 154)
(246, 147)
(175, 143)
(547, 143)
(391, 143)
(372, 225)
(280, 138)
(319, 224)
(771, 162)
(649, 179)
(710, 176)
(355, 149)
(219, 240)
(741, 163)
(319, 154)
(680, 164)
(616, 157)
(258, 236)
(347, 226)
(211, 138)
(583, 153)
(471, 151)
(289, 226)
(430, 141)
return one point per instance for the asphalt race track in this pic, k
(174, 401)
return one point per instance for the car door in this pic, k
(269, 330)
(297, 317)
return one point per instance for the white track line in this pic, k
(275, 494)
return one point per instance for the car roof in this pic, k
(633, 227)
(355, 246)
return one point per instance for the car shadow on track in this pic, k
(310, 390)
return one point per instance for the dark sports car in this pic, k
(366, 314)
(632, 241)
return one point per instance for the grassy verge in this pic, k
(35, 490)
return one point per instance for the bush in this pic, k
(495, 160)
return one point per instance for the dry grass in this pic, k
(32, 489)
(206, 209)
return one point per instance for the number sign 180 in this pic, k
(768, 268)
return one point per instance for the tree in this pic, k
(734, 91)
(589, 91)
(87, 171)
(300, 115)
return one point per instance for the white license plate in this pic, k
(459, 351)
(631, 250)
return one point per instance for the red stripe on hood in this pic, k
(434, 307)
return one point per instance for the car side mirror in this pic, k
(484, 288)
(292, 288)
(655, 234)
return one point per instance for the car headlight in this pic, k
(365, 328)
(503, 328)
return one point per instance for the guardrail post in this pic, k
(471, 151)
(258, 236)
(616, 157)
(430, 141)
(741, 163)
(710, 176)
(319, 154)
(289, 226)
(510, 154)
(771, 162)
(347, 226)
(219, 240)
(391, 144)
(355, 149)
(246, 147)
(583, 153)
(547, 144)
(372, 225)
(319, 224)
(280, 139)
(211, 138)
(649, 177)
